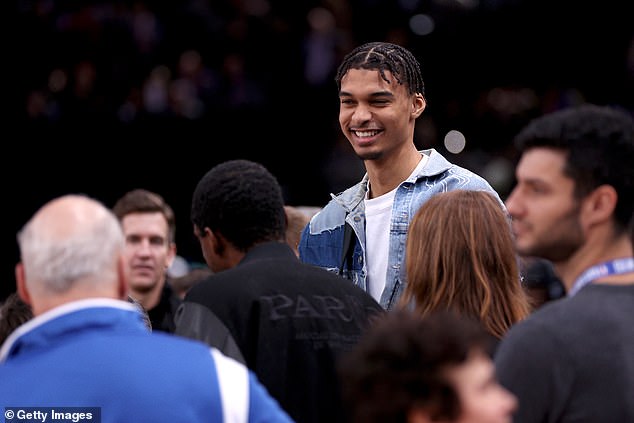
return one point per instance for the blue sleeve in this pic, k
(262, 406)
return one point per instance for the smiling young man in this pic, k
(573, 359)
(361, 232)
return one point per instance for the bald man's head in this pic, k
(71, 246)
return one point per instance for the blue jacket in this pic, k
(322, 240)
(98, 353)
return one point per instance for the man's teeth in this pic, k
(366, 133)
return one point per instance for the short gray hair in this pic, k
(80, 246)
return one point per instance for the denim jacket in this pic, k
(322, 240)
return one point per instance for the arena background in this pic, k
(109, 96)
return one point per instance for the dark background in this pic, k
(102, 97)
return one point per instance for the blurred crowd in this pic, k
(212, 66)
(105, 81)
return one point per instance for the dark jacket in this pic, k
(162, 315)
(289, 322)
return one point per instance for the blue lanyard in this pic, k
(613, 267)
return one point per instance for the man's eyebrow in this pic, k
(374, 94)
(535, 181)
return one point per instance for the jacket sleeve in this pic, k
(196, 321)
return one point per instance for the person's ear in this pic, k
(218, 242)
(171, 254)
(598, 207)
(418, 105)
(20, 279)
(211, 242)
(122, 279)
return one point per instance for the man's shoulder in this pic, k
(209, 287)
(453, 175)
(468, 179)
(244, 281)
(548, 314)
(331, 216)
(545, 329)
(342, 202)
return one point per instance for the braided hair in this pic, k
(382, 56)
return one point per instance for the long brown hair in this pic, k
(460, 256)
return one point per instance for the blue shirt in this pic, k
(98, 353)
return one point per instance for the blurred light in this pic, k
(57, 81)
(258, 8)
(468, 4)
(127, 112)
(455, 141)
(461, 4)
(499, 172)
(421, 24)
(408, 5)
(321, 19)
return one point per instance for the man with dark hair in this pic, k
(436, 368)
(361, 232)
(149, 226)
(573, 358)
(288, 321)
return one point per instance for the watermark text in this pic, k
(52, 414)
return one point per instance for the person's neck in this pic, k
(149, 299)
(592, 253)
(42, 304)
(386, 174)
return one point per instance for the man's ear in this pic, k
(212, 241)
(20, 280)
(171, 254)
(418, 105)
(218, 242)
(122, 279)
(598, 207)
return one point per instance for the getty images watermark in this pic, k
(52, 414)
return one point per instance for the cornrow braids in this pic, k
(382, 56)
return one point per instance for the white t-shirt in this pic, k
(378, 215)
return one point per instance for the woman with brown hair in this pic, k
(460, 256)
